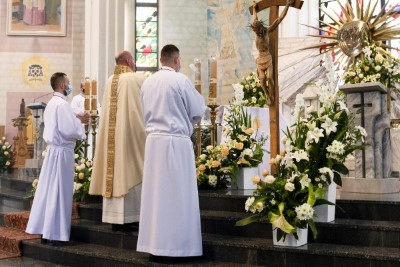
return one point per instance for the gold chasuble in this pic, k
(118, 162)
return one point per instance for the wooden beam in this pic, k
(274, 108)
(264, 4)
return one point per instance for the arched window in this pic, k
(146, 35)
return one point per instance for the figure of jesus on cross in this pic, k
(264, 59)
(267, 61)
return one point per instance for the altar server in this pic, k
(169, 213)
(52, 206)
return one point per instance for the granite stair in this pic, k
(365, 233)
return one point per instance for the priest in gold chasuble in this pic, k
(118, 161)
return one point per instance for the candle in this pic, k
(94, 96)
(213, 80)
(197, 75)
(87, 96)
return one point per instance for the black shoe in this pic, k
(43, 241)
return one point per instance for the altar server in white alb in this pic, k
(169, 212)
(52, 206)
(118, 163)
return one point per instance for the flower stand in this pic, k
(290, 240)
(326, 213)
(244, 178)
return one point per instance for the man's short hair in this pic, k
(168, 53)
(56, 79)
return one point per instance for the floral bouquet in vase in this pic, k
(82, 176)
(375, 65)
(241, 148)
(6, 155)
(315, 149)
(249, 92)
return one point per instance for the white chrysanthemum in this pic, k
(249, 202)
(329, 126)
(336, 147)
(4, 147)
(208, 148)
(212, 180)
(304, 212)
(203, 156)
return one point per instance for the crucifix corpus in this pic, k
(267, 60)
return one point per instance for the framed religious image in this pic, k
(36, 17)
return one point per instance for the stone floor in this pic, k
(26, 262)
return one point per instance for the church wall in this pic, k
(184, 23)
(52, 53)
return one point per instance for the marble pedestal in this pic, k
(371, 186)
(373, 166)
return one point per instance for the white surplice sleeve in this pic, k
(69, 125)
(193, 101)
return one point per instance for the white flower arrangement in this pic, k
(315, 148)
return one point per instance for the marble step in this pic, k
(221, 250)
(381, 210)
(383, 207)
(341, 231)
(14, 198)
(84, 254)
(14, 182)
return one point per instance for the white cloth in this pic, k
(121, 210)
(169, 212)
(78, 106)
(52, 205)
(263, 116)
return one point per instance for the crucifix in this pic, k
(267, 62)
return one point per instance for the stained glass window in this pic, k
(146, 44)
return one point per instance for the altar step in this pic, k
(367, 234)
(14, 194)
(347, 241)
(340, 231)
(96, 245)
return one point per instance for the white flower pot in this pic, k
(244, 178)
(290, 240)
(326, 213)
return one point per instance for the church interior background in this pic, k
(94, 31)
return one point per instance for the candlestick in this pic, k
(94, 96)
(213, 116)
(87, 96)
(213, 81)
(197, 75)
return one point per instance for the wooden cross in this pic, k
(273, 42)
